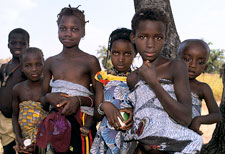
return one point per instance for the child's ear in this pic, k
(132, 36)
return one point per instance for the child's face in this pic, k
(70, 31)
(122, 55)
(195, 56)
(32, 66)
(149, 39)
(17, 43)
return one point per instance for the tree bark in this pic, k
(172, 38)
(217, 144)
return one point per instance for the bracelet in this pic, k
(99, 110)
(79, 100)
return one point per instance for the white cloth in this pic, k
(72, 89)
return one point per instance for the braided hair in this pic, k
(118, 34)
(72, 11)
(146, 14)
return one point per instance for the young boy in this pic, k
(72, 72)
(195, 54)
(27, 109)
(18, 40)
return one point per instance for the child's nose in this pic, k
(121, 58)
(150, 42)
(193, 63)
(68, 32)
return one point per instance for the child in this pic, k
(160, 92)
(195, 54)
(122, 53)
(27, 109)
(18, 40)
(72, 72)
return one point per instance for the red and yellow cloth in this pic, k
(104, 77)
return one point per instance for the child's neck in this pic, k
(115, 72)
(70, 51)
(15, 60)
(34, 83)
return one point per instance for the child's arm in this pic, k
(214, 115)
(15, 115)
(180, 109)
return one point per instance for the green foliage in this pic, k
(216, 59)
(102, 57)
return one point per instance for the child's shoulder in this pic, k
(19, 86)
(200, 88)
(90, 59)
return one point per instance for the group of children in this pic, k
(152, 109)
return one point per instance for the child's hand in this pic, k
(70, 105)
(128, 122)
(195, 125)
(147, 71)
(55, 98)
(84, 131)
(112, 114)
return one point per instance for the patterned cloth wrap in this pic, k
(30, 115)
(196, 105)
(154, 127)
(108, 140)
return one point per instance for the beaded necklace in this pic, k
(115, 72)
(6, 76)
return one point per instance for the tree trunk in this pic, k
(172, 38)
(217, 144)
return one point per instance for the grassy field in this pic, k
(215, 82)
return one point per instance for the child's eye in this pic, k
(142, 37)
(26, 65)
(201, 62)
(39, 64)
(75, 29)
(158, 38)
(127, 53)
(186, 59)
(62, 28)
(115, 53)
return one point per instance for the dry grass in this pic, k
(215, 82)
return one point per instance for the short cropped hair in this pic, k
(19, 31)
(186, 43)
(148, 14)
(31, 50)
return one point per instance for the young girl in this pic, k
(109, 137)
(195, 54)
(27, 109)
(160, 92)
